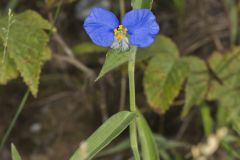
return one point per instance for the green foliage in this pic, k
(163, 147)
(229, 111)
(227, 144)
(207, 119)
(136, 4)
(161, 45)
(163, 79)
(226, 67)
(104, 135)
(88, 47)
(15, 154)
(8, 70)
(26, 48)
(114, 59)
(197, 83)
(148, 145)
(217, 82)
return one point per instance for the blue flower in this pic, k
(138, 28)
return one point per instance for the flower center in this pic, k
(120, 32)
(121, 41)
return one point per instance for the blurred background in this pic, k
(70, 105)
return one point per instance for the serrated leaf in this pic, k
(26, 45)
(8, 69)
(104, 135)
(197, 83)
(47, 54)
(148, 145)
(136, 4)
(14, 153)
(163, 79)
(88, 47)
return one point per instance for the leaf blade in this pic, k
(148, 145)
(103, 135)
(26, 45)
(113, 60)
(14, 153)
(162, 81)
(195, 94)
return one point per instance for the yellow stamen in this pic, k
(120, 32)
(119, 36)
(115, 31)
(120, 27)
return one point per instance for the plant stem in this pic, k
(19, 110)
(133, 127)
(122, 8)
(131, 69)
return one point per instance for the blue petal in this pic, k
(100, 25)
(142, 27)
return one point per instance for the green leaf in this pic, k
(15, 154)
(163, 79)
(195, 94)
(206, 119)
(226, 67)
(136, 4)
(161, 45)
(8, 69)
(104, 135)
(113, 60)
(229, 111)
(87, 48)
(27, 42)
(148, 145)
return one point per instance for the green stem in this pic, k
(19, 110)
(133, 108)
(131, 69)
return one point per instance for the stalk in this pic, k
(13, 122)
(133, 108)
